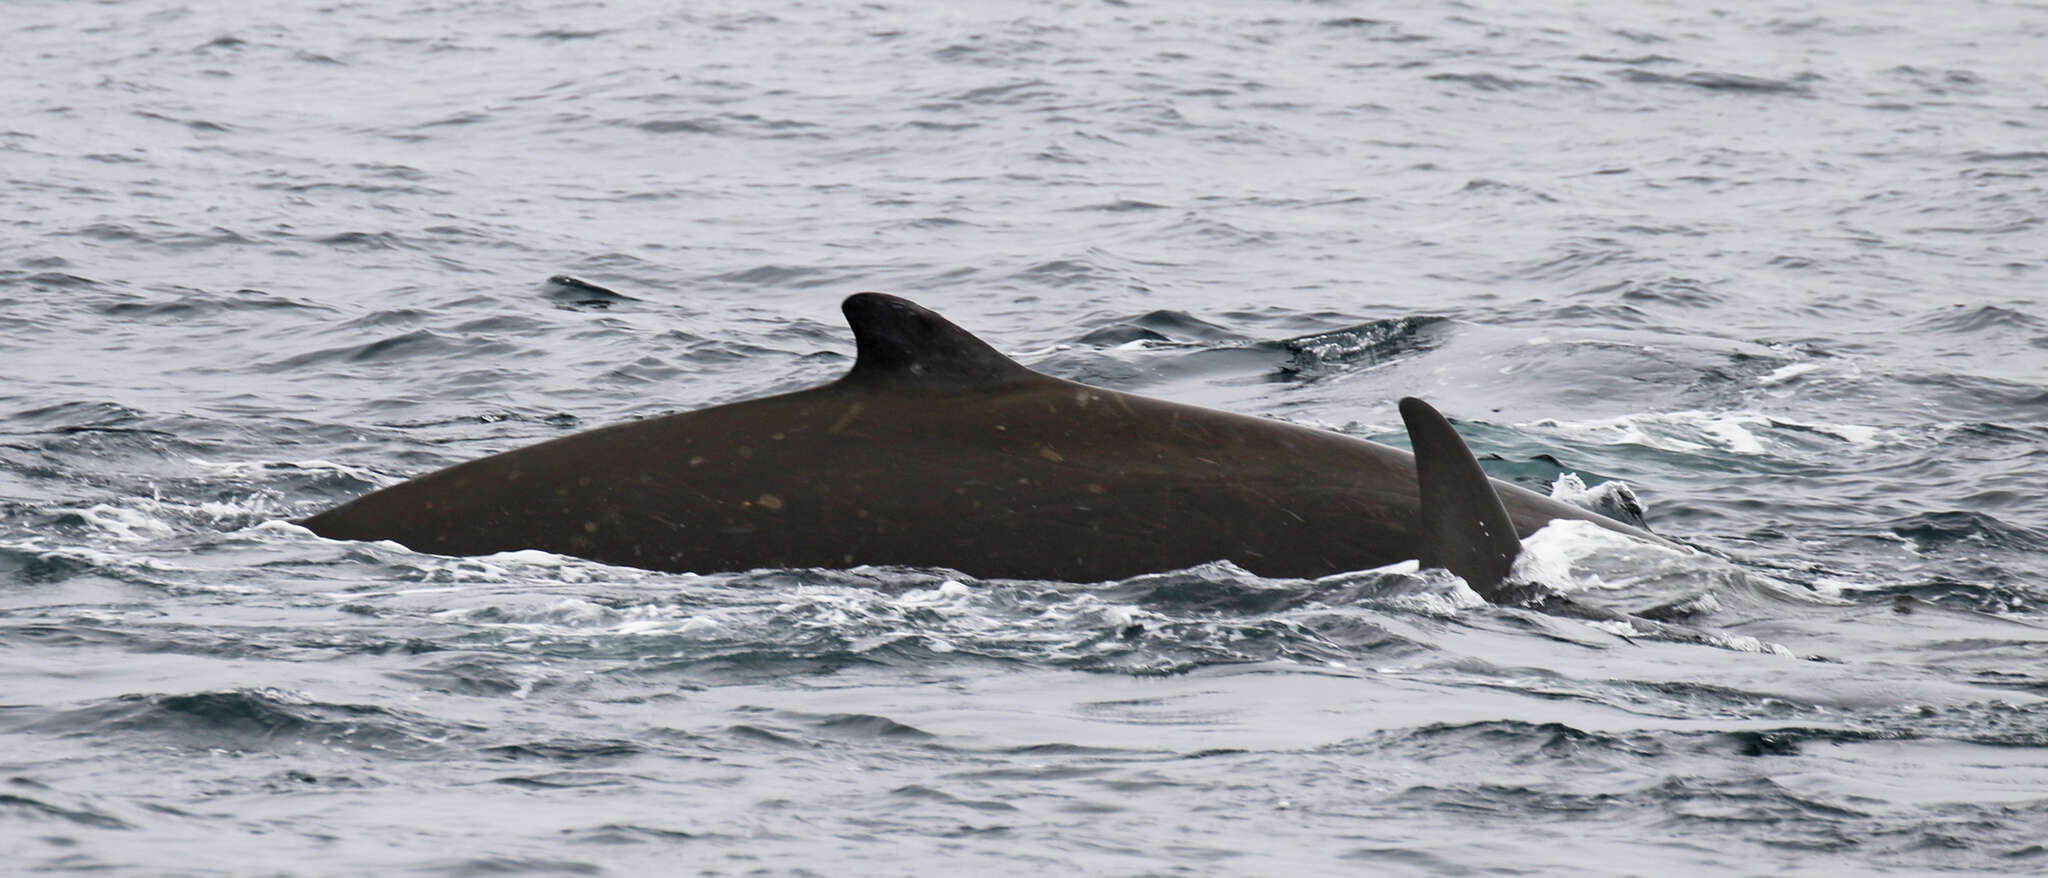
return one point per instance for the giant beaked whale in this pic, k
(935, 450)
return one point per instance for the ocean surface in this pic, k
(1776, 267)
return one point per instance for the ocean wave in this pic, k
(251, 720)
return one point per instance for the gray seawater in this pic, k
(1776, 266)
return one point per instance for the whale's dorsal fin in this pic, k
(1465, 529)
(899, 342)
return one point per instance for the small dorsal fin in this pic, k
(1465, 529)
(896, 340)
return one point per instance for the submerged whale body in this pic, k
(935, 450)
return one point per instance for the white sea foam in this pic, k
(1605, 498)
(123, 523)
(948, 594)
(1854, 434)
(1556, 556)
(1618, 628)
(1787, 373)
(1732, 432)
(263, 469)
(1693, 430)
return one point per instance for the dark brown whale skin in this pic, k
(936, 450)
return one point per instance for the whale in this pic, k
(936, 450)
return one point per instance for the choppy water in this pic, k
(1778, 266)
